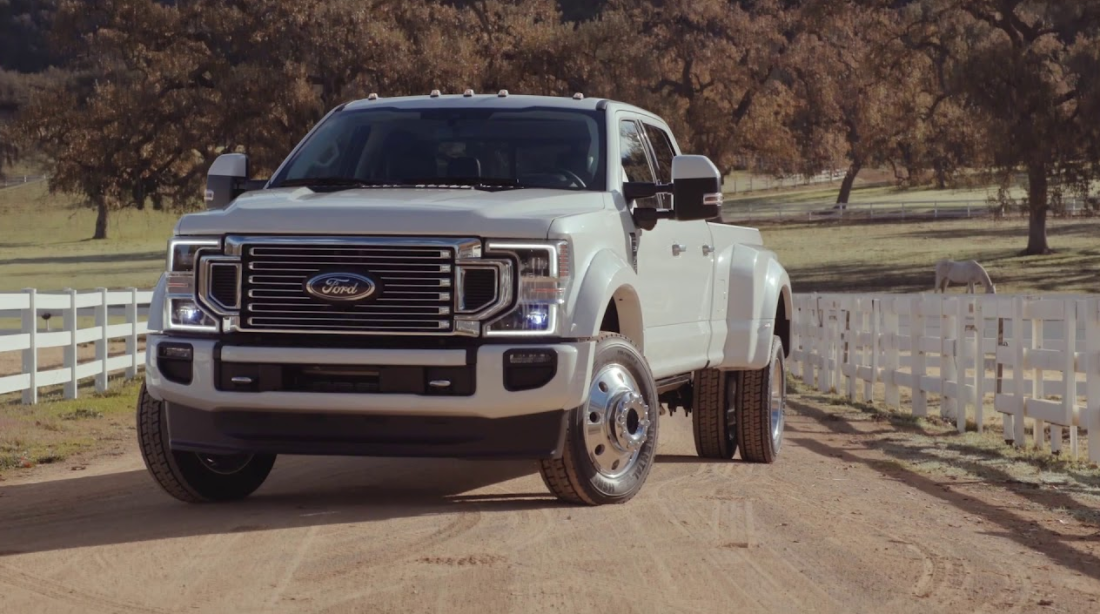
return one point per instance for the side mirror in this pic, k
(227, 179)
(696, 188)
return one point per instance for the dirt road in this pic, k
(832, 527)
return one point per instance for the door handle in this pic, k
(708, 250)
(678, 249)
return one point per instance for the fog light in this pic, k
(529, 369)
(532, 357)
(174, 361)
(176, 352)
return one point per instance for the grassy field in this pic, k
(822, 257)
(826, 195)
(57, 430)
(45, 243)
(899, 257)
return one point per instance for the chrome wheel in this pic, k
(778, 402)
(224, 464)
(616, 422)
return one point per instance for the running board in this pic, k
(669, 384)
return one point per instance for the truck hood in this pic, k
(519, 214)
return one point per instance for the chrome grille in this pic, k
(415, 282)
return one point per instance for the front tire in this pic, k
(761, 408)
(610, 442)
(189, 476)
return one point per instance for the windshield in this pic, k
(498, 148)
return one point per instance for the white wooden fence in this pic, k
(30, 307)
(965, 349)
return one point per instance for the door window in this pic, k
(634, 159)
(663, 153)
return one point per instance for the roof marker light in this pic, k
(435, 94)
(372, 96)
(578, 96)
(503, 94)
(468, 93)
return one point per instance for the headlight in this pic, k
(182, 311)
(543, 272)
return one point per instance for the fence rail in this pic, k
(31, 307)
(966, 349)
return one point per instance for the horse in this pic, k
(968, 272)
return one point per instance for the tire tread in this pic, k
(708, 416)
(156, 453)
(754, 410)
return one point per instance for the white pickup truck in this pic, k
(476, 276)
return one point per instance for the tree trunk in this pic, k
(940, 173)
(1037, 206)
(101, 220)
(849, 181)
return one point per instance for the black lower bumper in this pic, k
(216, 432)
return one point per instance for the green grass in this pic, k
(899, 257)
(55, 430)
(45, 243)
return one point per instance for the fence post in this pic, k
(795, 367)
(947, 362)
(132, 339)
(979, 365)
(101, 348)
(893, 330)
(30, 355)
(810, 343)
(916, 350)
(1006, 419)
(1037, 391)
(1019, 435)
(835, 337)
(869, 385)
(1069, 376)
(851, 308)
(960, 360)
(1092, 378)
(71, 325)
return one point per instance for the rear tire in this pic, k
(188, 476)
(610, 442)
(712, 415)
(761, 405)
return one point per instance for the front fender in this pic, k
(607, 277)
(156, 306)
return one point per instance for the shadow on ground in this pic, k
(301, 492)
(1011, 525)
(128, 507)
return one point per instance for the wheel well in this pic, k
(783, 326)
(610, 322)
(623, 315)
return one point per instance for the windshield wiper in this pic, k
(478, 183)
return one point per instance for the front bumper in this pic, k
(489, 421)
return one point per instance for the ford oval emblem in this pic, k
(341, 287)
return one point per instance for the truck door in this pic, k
(675, 261)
